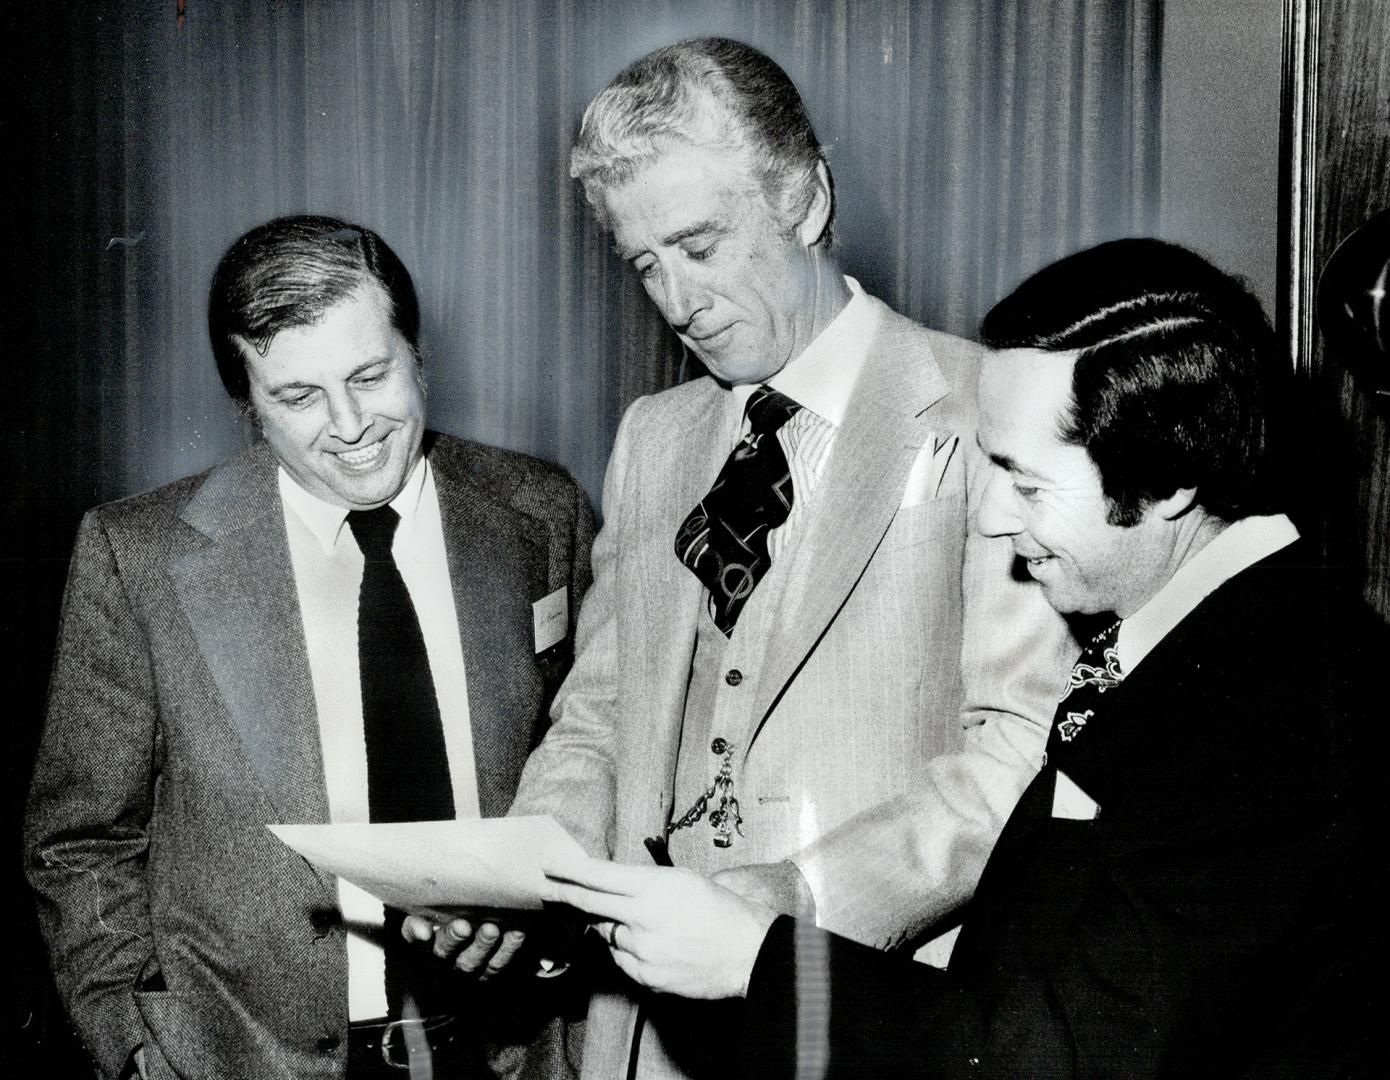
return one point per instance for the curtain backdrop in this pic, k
(971, 142)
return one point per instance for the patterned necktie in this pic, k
(1097, 670)
(724, 539)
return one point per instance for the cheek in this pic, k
(1057, 529)
(297, 432)
(413, 406)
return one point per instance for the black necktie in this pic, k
(724, 539)
(1096, 670)
(407, 767)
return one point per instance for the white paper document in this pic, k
(441, 866)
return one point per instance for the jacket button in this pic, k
(733, 676)
(323, 920)
(327, 1044)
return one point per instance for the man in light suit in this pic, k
(1195, 883)
(816, 680)
(355, 619)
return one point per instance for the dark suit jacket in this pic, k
(181, 721)
(1219, 916)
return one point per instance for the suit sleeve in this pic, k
(1175, 957)
(1101, 1011)
(89, 804)
(894, 870)
(571, 775)
(871, 1018)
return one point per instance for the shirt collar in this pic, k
(325, 519)
(822, 378)
(1237, 547)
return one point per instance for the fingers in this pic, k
(417, 928)
(607, 930)
(605, 905)
(512, 940)
(484, 949)
(602, 876)
(451, 937)
(478, 951)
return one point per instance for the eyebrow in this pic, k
(1008, 464)
(700, 228)
(280, 388)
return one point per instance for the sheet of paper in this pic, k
(441, 866)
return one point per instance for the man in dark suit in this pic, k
(355, 619)
(1190, 886)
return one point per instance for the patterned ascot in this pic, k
(724, 539)
(1097, 670)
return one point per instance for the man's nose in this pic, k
(680, 298)
(346, 418)
(998, 515)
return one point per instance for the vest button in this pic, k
(733, 676)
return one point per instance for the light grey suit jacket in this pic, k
(181, 721)
(910, 679)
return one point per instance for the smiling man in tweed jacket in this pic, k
(215, 674)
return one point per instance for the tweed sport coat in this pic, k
(1222, 915)
(910, 678)
(181, 721)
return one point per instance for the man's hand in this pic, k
(668, 928)
(479, 945)
(778, 885)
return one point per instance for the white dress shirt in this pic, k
(821, 380)
(328, 577)
(1236, 548)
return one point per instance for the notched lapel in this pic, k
(239, 596)
(678, 463)
(854, 504)
(498, 567)
(673, 476)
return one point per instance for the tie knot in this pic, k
(374, 531)
(768, 409)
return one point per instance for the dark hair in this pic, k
(709, 92)
(1178, 379)
(287, 273)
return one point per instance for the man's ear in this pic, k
(1176, 504)
(818, 212)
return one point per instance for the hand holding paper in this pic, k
(437, 868)
(667, 928)
(456, 877)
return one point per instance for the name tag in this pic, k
(550, 615)
(1070, 802)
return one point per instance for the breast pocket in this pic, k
(927, 521)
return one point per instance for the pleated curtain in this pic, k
(971, 142)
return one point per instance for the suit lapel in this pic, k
(855, 502)
(238, 593)
(497, 569)
(676, 470)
